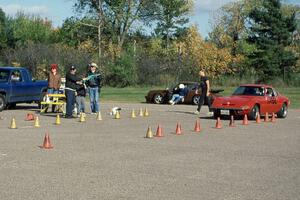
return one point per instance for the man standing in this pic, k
(72, 82)
(205, 88)
(93, 82)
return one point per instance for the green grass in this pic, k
(137, 94)
(128, 94)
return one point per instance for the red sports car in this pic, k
(251, 99)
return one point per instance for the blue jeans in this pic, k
(80, 100)
(94, 98)
(52, 91)
(176, 98)
(70, 95)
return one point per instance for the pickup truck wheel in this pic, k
(2, 102)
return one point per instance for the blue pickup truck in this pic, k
(17, 86)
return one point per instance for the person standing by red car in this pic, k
(205, 92)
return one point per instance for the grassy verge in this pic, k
(137, 94)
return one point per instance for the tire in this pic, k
(195, 100)
(254, 112)
(157, 99)
(2, 102)
(283, 111)
(217, 113)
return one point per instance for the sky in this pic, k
(58, 10)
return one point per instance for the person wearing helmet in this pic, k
(179, 94)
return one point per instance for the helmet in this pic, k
(181, 86)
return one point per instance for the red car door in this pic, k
(271, 101)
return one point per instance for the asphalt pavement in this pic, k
(112, 159)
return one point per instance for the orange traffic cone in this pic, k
(258, 118)
(197, 126)
(273, 118)
(159, 132)
(178, 129)
(218, 123)
(245, 120)
(231, 123)
(47, 143)
(29, 117)
(266, 117)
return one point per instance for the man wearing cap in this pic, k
(93, 83)
(72, 82)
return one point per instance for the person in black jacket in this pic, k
(205, 92)
(72, 82)
(93, 83)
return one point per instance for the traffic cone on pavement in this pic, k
(149, 133)
(146, 113)
(117, 116)
(81, 117)
(133, 114)
(218, 123)
(258, 121)
(159, 132)
(47, 144)
(13, 123)
(37, 122)
(197, 126)
(57, 120)
(178, 129)
(231, 123)
(29, 117)
(266, 117)
(141, 112)
(99, 117)
(273, 118)
(245, 120)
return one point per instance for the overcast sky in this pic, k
(58, 10)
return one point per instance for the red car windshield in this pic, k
(249, 90)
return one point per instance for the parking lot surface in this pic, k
(112, 159)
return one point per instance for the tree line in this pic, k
(139, 42)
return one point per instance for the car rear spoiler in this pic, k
(215, 91)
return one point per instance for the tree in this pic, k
(3, 37)
(171, 16)
(115, 16)
(271, 32)
(206, 55)
(23, 29)
(94, 8)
